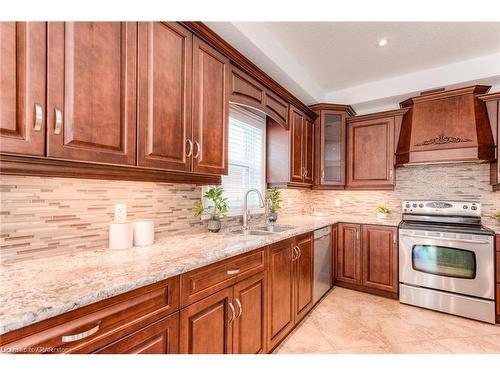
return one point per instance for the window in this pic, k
(246, 154)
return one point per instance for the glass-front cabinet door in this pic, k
(332, 143)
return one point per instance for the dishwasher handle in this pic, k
(323, 232)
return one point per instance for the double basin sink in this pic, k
(263, 230)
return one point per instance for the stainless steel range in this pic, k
(446, 259)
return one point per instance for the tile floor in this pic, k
(346, 321)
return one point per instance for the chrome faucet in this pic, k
(246, 212)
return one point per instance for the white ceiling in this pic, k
(341, 62)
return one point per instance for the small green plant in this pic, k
(217, 209)
(382, 209)
(274, 197)
(496, 215)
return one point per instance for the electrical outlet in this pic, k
(120, 212)
(289, 202)
(338, 202)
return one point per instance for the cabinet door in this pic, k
(161, 337)
(380, 263)
(370, 156)
(349, 253)
(303, 286)
(22, 87)
(332, 144)
(249, 326)
(206, 327)
(210, 109)
(296, 134)
(308, 147)
(165, 73)
(280, 295)
(91, 96)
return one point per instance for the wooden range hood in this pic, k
(446, 126)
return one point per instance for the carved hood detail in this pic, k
(446, 126)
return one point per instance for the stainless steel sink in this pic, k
(252, 232)
(274, 228)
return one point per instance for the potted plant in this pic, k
(215, 210)
(273, 198)
(382, 211)
(496, 215)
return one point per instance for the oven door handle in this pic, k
(443, 239)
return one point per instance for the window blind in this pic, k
(246, 156)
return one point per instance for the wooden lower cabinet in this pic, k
(280, 291)
(205, 326)
(161, 337)
(380, 261)
(304, 275)
(290, 291)
(367, 257)
(229, 321)
(349, 253)
(249, 326)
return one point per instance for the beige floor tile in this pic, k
(473, 345)
(395, 329)
(377, 349)
(418, 347)
(344, 333)
(307, 338)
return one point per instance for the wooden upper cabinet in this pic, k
(492, 102)
(370, 154)
(22, 87)
(380, 257)
(165, 76)
(297, 145)
(308, 150)
(303, 286)
(91, 93)
(280, 295)
(349, 253)
(205, 326)
(210, 109)
(245, 90)
(276, 107)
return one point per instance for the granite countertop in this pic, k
(32, 291)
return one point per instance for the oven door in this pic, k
(445, 261)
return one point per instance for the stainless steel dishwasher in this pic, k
(322, 262)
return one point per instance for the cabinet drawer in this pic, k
(204, 281)
(94, 326)
(161, 337)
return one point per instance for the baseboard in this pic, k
(365, 289)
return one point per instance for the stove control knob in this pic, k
(407, 205)
(414, 205)
(421, 205)
(473, 208)
(465, 207)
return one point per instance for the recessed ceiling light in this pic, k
(382, 42)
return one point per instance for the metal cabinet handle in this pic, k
(81, 335)
(323, 174)
(58, 121)
(390, 173)
(190, 148)
(231, 306)
(357, 235)
(38, 117)
(240, 308)
(198, 150)
(394, 238)
(299, 251)
(233, 272)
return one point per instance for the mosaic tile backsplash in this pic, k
(42, 217)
